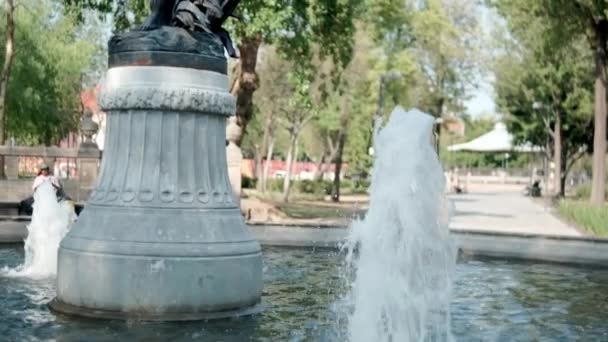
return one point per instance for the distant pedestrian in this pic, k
(43, 176)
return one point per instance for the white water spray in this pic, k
(404, 260)
(50, 223)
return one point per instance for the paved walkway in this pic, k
(506, 212)
(503, 211)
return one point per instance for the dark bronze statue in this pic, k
(193, 15)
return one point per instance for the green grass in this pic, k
(592, 219)
(313, 212)
(583, 192)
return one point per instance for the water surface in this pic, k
(493, 300)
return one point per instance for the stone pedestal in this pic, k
(161, 237)
(88, 170)
(12, 167)
(235, 157)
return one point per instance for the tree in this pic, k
(125, 13)
(562, 121)
(353, 81)
(297, 113)
(6, 72)
(294, 27)
(445, 46)
(545, 91)
(566, 21)
(50, 58)
(274, 89)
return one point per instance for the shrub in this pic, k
(361, 186)
(249, 183)
(346, 184)
(318, 187)
(275, 184)
(583, 192)
(591, 218)
(327, 186)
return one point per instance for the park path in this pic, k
(506, 212)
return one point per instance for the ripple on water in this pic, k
(493, 301)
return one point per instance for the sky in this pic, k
(482, 99)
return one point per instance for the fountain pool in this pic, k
(493, 300)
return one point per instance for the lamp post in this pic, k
(389, 76)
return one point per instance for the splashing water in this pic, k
(50, 223)
(404, 259)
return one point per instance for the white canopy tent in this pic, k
(497, 140)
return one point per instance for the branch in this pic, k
(574, 159)
(548, 127)
(330, 145)
(307, 119)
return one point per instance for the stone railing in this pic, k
(87, 158)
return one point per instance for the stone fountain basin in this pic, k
(493, 300)
(557, 249)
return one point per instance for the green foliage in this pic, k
(584, 191)
(275, 185)
(594, 219)
(331, 53)
(540, 77)
(310, 211)
(561, 24)
(446, 48)
(312, 187)
(317, 187)
(51, 57)
(125, 13)
(248, 183)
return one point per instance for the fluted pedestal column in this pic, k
(162, 236)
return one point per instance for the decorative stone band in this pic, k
(168, 98)
(166, 89)
(165, 139)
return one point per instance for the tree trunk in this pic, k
(245, 81)
(598, 184)
(335, 193)
(320, 168)
(439, 110)
(557, 155)
(258, 165)
(329, 157)
(290, 158)
(9, 55)
(267, 165)
(265, 142)
(563, 174)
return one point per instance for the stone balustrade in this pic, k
(87, 157)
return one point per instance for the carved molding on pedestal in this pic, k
(168, 98)
(165, 141)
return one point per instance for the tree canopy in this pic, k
(563, 24)
(52, 55)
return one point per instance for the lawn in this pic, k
(593, 219)
(309, 211)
